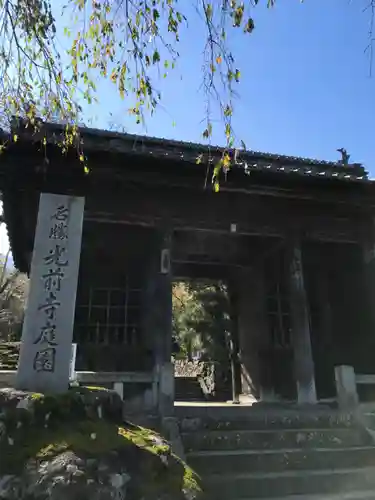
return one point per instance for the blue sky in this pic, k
(305, 88)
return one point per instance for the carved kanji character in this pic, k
(44, 360)
(61, 214)
(50, 306)
(54, 257)
(52, 280)
(59, 231)
(47, 335)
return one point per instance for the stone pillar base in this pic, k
(166, 389)
(346, 387)
(267, 395)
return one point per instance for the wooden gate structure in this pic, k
(295, 236)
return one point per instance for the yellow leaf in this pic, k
(199, 159)
(209, 11)
(226, 160)
(114, 76)
(81, 158)
(86, 169)
(15, 138)
(216, 187)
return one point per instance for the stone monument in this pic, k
(46, 344)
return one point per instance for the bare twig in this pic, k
(370, 46)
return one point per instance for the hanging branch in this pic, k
(370, 46)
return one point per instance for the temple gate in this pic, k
(294, 237)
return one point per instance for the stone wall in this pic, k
(213, 379)
(9, 352)
(185, 368)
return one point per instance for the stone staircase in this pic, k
(188, 389)
(246, 453)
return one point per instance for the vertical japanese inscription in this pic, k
(54, 272)
(48, 327)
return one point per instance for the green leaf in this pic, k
(238, 15)
(208, 132)
(156, 57)
(228, 111)
(217, 170)
(209, 11)
(249, 27)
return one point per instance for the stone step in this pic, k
(280, 484)
(273, 439)
(243, 461)
(193, 418)
(188, 389)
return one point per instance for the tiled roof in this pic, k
(250, 161)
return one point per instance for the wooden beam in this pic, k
(272, 232)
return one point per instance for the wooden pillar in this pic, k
(369, 270)
(164, 297)
(162, 321)
(302, 350)
(253, 333)
(324, 345)
(234, 341)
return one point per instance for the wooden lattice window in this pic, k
(109, 316)
(278, 310)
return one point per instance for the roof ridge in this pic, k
(194, 152)
(200, 146)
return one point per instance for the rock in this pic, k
(47, 451)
